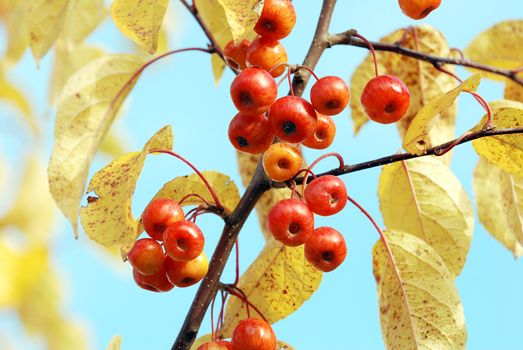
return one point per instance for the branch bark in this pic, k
(258, 185)
(347, 38)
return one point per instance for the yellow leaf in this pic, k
(33, 211)
(213, 15)
(115, 343)
(201, 340)
(140, 20)
(499, 46)
(83, 20)
(107, 219)
(513, 91)
(218, 67)
(437, 209)
(419, 305)
(418, 137)
(46, 19)
(222, 185)
(499, 197)
(284, 346)
(242, 15)
(11, 94)
(17, 33)
(505, 151)
(278, 282)
(68, 60)
(363, 73)
(86, 108)
(9, 264)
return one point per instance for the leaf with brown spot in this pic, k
(500, 46)
(140, 20)
(419, 304)
(418, 136)
(499, 197)
(86, 109)
(109, 220)
(278, 282)
(504, 151)
(435, 208)
(241, 15)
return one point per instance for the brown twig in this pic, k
(348, 38)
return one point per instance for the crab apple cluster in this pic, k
(173, 255)
(291, 221)
(418, 9)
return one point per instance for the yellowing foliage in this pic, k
(499, 46)
(83, 19)
(17, 33)
(140, 20)
(499, 197)
(418, 136)
(86, 109)
(10, 93)
(432, 206)
(115, 343)
(504, 151)
(107, 218)
(278, 282)
(418, 303)
(242, 15)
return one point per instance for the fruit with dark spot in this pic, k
(154, 283)
(253, 91)
(324, 134)
(292, 118)
(183, 240)
(185, 274)
(418, 9)
(326, 195)
(250, 133)
(330, 95)
(325, 249)
(291, 222)
(277, 19)
(159, 214)
(385, 99)
(236, 54)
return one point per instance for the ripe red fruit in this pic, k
(418, 9)
(292, 118)
(253, 91)
(324, 134)
(291, 222)
(236, 53)
(281, 161)
(330, 95)
(155, 283)
(325, 249)
(216, 345)
(267, 54)
(253, 334)
(277, 19)
(146, 256)
(250, 133)
(159, 214)
(183, 240)
(185, 274)
(326, 195)
(385, 99)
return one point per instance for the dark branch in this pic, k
(347, 38)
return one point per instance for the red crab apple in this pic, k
(146, 256)
(326, 195)
(277, 19)
(183, 240)
(325, 249)
(291, 222)
(385, 99)
(159, 214)
(253, 334)
(253, 91)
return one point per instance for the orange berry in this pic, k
(282, 161)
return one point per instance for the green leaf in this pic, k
(435, 208)
(86, 109)
(278, 282)
(499, 197)
(419, 305)
(140, 20)
(107, 218)
(418, 136)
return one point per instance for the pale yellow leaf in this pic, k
(500, 46)
(437, 209)
(86, 109)
(499, 197)
(278, 282)
(213, 15)
(218, 67)
(140, 20)
(222, 185)
(505, 151)
(10, 93)
(242, 15)
(17, 33)
(284, 346)
(8, 270)
(418, 303)
(46, 19)
(417, 139)
(513, 91)
(67, 61)
(83, 19)
(107, 219)
(33, 211)
(115, 343)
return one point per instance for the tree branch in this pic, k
(258, 185)
(404, 156)
(347, 38)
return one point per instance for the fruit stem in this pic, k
(193, 195)
(202, 177)
(371, 49)
(309, 69)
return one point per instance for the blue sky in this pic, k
(180, 91)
